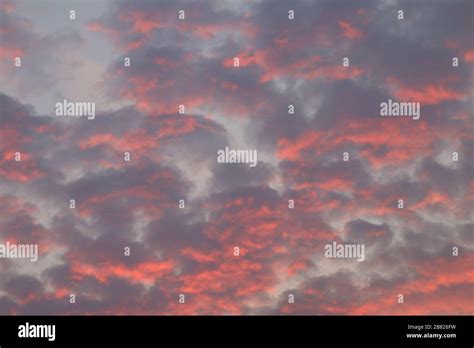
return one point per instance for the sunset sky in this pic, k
(191, 251)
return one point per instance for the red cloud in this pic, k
(349, 31)
(147, 272)
(427, 95)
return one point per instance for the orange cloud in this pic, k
(428, 95)
(349, 31)
(147, 272)
(469, 56)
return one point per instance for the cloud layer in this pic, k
(190, 249)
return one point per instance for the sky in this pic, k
(173, 231)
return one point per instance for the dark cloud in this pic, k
(134, 204)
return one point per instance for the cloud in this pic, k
(191, 249)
